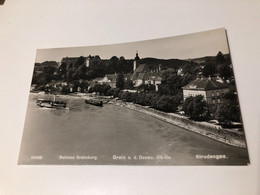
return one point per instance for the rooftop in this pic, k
(142, 68)
(205, 84)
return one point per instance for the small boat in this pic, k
(51, 103)
(94, 102)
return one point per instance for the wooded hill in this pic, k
(49, 70)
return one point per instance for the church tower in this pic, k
(87, 61)
(136, 61)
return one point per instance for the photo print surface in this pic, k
(168, 101)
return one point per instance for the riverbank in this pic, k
(87, 130)
(211, 131)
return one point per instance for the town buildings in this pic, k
(210, 89)
(142, 74)
(109, 79)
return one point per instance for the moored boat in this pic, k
(51, 103)
(94, 102)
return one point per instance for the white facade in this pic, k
(188, 93)
(138, 82)
(87, 62)
(134, 65)
(211, 96)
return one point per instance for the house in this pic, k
(153, 78)
(109, 79)
(55, 86)
(128, 77)
(210, 89)
(180, 72)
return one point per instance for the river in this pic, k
(114, 135)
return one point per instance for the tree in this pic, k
(116, 92)
(110, 92)
(195, 107)
(148, 99)
(146, 88)
(120, 65)
(126, 96)
(140, 99)
(171, 83)
(190, 67)
(80, 61)
(69, 74)
(62, 70)
(65, 90)
(225, 71)
(76, 84)
(105, 88)
(168, 74)
(95, 61)
(84, 86)
(129, 84)
(120, 81)
(187, 78)
(209, 70)
(112, 64)
(228, 110)
(220, 59)
(81, 72)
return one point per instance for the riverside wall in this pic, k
(209, 130)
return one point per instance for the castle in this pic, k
(71, 61)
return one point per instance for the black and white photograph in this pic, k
(168, 101)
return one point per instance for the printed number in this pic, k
(36, 157)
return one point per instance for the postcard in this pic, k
(161, 102)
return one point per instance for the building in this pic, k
(180, 72)
(153, 78)
(210, 89)
(109, 79)
(71, 61)
(143, 75)
(128, 77)
(136, 62)
(140, 74)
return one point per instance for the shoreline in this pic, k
(203, 128)
(186, 124)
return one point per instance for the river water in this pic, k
(113, 135)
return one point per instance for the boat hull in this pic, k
(51, 104)
(94, 102)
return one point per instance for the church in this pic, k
(142, 74)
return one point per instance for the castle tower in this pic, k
(136, 61)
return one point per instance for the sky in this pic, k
(207, 43)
